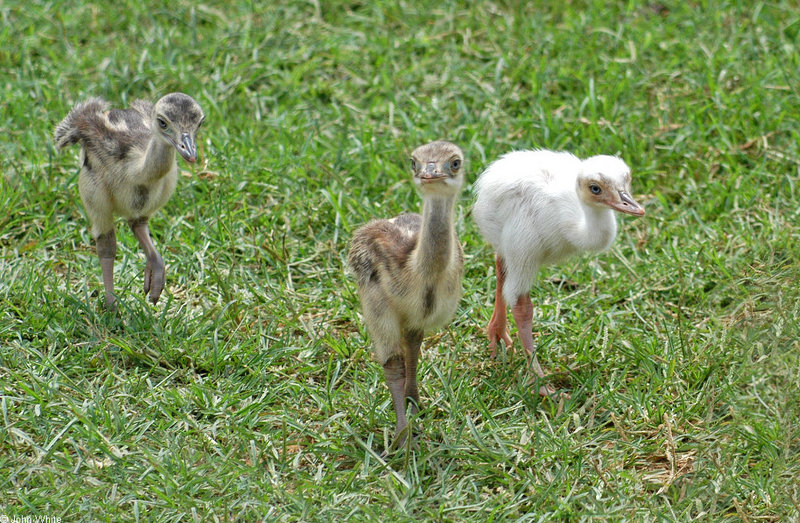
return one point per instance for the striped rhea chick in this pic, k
(408, 271)
(128, 168)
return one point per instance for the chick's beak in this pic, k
(627, 204)
(187, 149)
(430, 173)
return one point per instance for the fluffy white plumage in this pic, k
(533, 207)
(537, 208)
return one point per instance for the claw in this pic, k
(147, 276)
(154, 268)
(494, 333)
(547, 391)
(154, 278)
(111, 302)
(404, 440)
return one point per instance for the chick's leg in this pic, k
(413, 340)
(498, 329)
(154, 275)
(394, 371)
(523, 316)
(107, 251)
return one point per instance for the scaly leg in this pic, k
(523, 316)
(412, 340)
(154, 276)
(107, 251)
(394, 371)
(401, 377)
(498, 329)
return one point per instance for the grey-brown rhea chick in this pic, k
(128, 168)
(409, 270)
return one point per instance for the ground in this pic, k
(248, 392)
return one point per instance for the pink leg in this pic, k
(497, 329)
(523, 316)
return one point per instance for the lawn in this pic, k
(248, 392)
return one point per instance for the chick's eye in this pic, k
(455, 165)
(162, 123)
(595, 189)
(413, 165)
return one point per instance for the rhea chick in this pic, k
(128, 168)
(538, 208)
(408, 270)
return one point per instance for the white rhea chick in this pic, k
(538, 208)
(409, 271)
(128, 168)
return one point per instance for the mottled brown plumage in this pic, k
(128, 168)
(409, 270)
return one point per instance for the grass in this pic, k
(248, 392)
